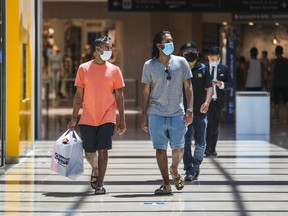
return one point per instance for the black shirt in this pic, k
(281, 73)
(201, 80)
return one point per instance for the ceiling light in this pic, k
(275, 40)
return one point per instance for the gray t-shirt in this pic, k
(166, 96)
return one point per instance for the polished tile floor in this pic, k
(248, 178)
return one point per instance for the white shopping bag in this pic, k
(67, 157)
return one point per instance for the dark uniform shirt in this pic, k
(201, 80)
(281, 73)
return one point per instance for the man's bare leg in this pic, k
(93, 161)
(102, 165)
(161, 156)
(177, 155)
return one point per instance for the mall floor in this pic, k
(248, 178)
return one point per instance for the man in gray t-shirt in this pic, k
(166, 98)
(164, 77)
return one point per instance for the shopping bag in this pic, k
(67, 156)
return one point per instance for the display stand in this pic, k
(252, 113)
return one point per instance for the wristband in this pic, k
(75, 117)
(189, 110)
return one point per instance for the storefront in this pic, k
(72, 26)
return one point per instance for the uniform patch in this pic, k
(200, 75)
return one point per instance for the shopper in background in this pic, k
(99, 89)
(202, 89)
(267, 70)
(280, 82)
(221, 81)
(241, 73)
(162, 106)
(255, 72)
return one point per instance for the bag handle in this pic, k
(73, 134)
(67, 132)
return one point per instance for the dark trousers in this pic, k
(214, 117)
(191, 161)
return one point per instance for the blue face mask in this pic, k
(168, 48)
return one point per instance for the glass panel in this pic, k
(24, 72)
(2, 92)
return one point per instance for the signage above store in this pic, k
(252, 17)
(199, 5)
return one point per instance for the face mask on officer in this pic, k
(168, 48)
(191, 57)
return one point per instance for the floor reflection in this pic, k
(248, 178)
(57, 115)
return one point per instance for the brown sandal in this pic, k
(163, 190)
(178, 180)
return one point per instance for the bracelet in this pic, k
(190, 110)
(75, 117)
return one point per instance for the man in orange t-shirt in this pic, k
(99, 88)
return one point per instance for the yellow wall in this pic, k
(19, 116)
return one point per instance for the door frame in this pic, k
(3, 89)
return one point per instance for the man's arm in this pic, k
(77, 104)
(188, 118)
(209, 95)
(119, 97)
(145, 103)
(205, 105)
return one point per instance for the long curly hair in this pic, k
(157, 39)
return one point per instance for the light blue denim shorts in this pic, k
(164, 129)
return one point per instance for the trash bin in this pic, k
(252, 113)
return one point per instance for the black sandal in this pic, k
(93, 181)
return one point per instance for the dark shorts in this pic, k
(97, 137)
(280, 93)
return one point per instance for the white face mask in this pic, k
(214, 63)
(106, 55)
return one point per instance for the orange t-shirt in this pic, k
(98, 82)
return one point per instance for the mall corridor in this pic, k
(248, 178)
(42, 45)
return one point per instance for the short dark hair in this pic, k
(214, 51)
(279, 49)
(254, 51)
(100, 40)
(264, 52)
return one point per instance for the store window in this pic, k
(67, 44)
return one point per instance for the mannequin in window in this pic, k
(55, 68)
